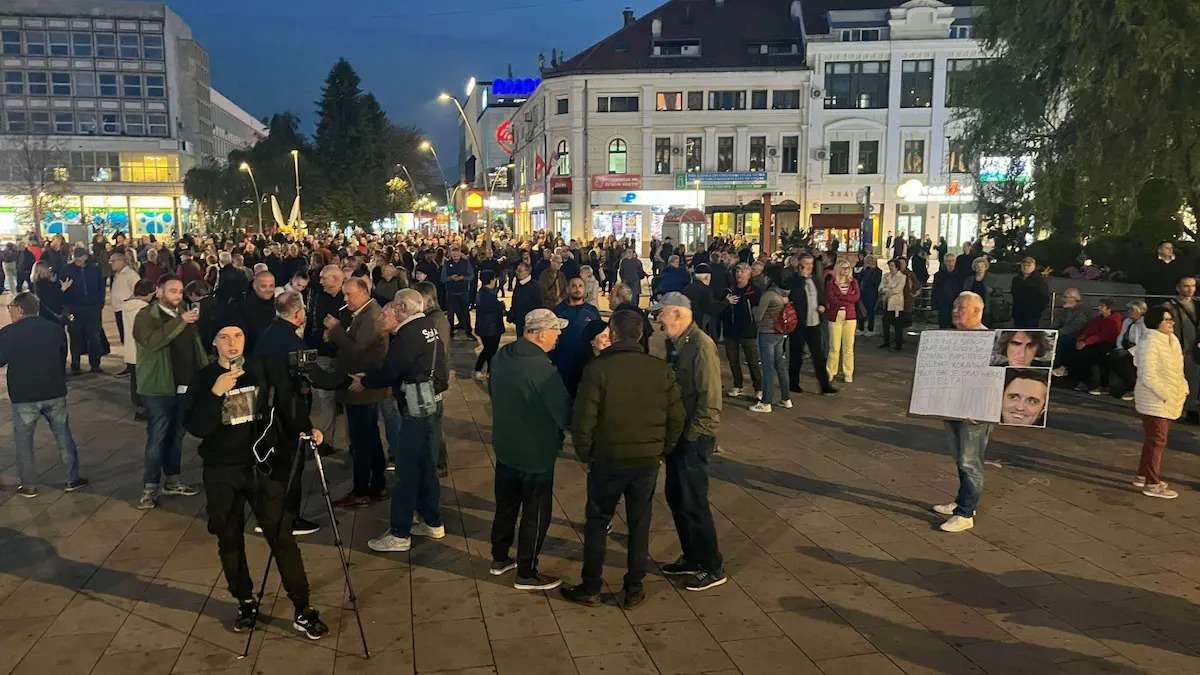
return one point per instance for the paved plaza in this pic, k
(835, 565)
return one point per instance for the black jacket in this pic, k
(1030, 296)
(946, 287)
(414, 352)
(703, 303)
(740, 317)
(647, 327)
(278, 340)
(34, 349)
(489, 314)
(526, 297)
(799, 297)
(231, 285)
(320, 305)
(255, 314)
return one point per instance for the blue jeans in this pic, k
(416, 486)
(772, 351)
(969, 443)
(25, 417)
(164, 438)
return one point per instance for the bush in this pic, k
(1056, 252)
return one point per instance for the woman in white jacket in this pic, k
(140, 296)
(891, 301)
(1159, 395)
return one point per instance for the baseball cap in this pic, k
(674, 299)
(543, 319)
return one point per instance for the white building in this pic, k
(882, 116)
(120, 91)
(700, 104)
(233, 128)
(491, 106)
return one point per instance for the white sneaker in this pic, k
(420, 529)
(390, 543)
(479, 376)
(1160, 490)
(848, 379)
(945, 509)
(735, 392)
(761, 407)
(786, 404)
(957, 524)
(1127, 396)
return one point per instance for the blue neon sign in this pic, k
(515, 88)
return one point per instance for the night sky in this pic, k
(272, 55)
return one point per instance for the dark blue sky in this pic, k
(270, 55)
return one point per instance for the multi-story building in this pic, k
(117, 95)
(886, 84)
(698, 106)
(491, 106)
(233, 128)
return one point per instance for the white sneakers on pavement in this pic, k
(786, 404)
(735, 392)
(420, 529)
(945, 509)
(761, 407)
(390, 543)
(1160, 490)
(957, 524)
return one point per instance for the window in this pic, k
(108, 84)
(155, 87)
(14, 82)
(724, 153)
(110, 123)
(131, 47)
(758, 99)
(106, 45)
(668, 101)
(156, 124)
(64, 122)
(617, 104)
(758, 153)
(914, 156)
(562, 106)
(790, 155)
(785, 99)
(858, 84)
(695, 154)
(39, 122)
(86, 121)
(868, 157)
(695, 100)
(861, 35)
(17, 121)
(35, 43)
(564, 158)
(139, 168)
(957, 72)
(662, 156)
(956, 159)
(726, 100)
(839, 158)
(152, 47)
(676, 48)
(60, 43)
(85, 83)
(618, 156)
(37, 83)
(131, 86)
(135, 124)
(81, 44)
(60, 84)
(779, 47)
(960, 32)
(10, 44)
(916, 84)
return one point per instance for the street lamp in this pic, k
(257, 199)
(411, 185)
(427, 146)
(487, 227)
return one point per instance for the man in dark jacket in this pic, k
(1030, 296)
(947, 284)
(621, 297)
(84, 298)
(526, 297)
(631, 271)
(1164, 271)
(33, 349)
(571, 353)
(414, 355)
(808, 299)
(458, 275)
(324, 300)
(231, 282)
(530, 411)
(257, 309)
(628, 415)
(741, 331)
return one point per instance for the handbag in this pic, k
(420, 399)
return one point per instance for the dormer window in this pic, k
(960, 32)
(677, 47)
(861, 34)
(774, 48)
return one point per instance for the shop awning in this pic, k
(686, 216)
(787, 205)
(836, 221)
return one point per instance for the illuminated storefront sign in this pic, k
(537, 200)
(500, 203)
(690, 198)
(518, 88)
(916, 192)
(1004, 169)
(474, 201)
(722, 180)
(617, 181)
(504, 136)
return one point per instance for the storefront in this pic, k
(910, 220)
(687, 228)
(958, 217)
(624, 223)
(639, 214)
(537, 211)
(560, 205)
(842, 223)
(78, 218)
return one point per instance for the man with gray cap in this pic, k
(698, 372)
(530, 411)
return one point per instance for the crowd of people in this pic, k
(259, 345)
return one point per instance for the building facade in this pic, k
(232, 127)
(117, 98)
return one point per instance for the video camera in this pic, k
(302, 359)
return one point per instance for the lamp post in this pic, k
(257, 199)
(426, 145)
(487, 226)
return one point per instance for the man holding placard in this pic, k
(967, 439)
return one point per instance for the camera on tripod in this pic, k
(302, 359)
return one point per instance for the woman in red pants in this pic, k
(1159, 395)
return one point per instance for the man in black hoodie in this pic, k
(249, 416)
(258, 308)
(527, 296)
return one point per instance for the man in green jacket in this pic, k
(698, 371)
(169, 354)
(530, 410)
(628, 415)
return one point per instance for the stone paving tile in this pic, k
(877, 664)
(769, 655)
(518, 656)
(617, 663)
(450, 645)
(65, 654)
(682, 647)
(821, 634)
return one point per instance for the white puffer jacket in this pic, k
(1161, 388)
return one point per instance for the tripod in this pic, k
(306, 441)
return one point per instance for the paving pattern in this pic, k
(823, 518)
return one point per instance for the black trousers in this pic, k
(734, 349)
(1026, 318)
(229, 490)
(687, 495)
(458, 312)
(895, 323)
(490, 344)
(366, 450)
(133, 395)
(1120, 363)
(531, 495)
(1080, 362)
(120, 318)
(606, 484)
(807, 336)
(87, 335)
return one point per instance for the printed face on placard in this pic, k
(1026, 393)
(1024, 348)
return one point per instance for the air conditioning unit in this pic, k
(822, 154)
(817, 93)
(772, 151)
(676, 150)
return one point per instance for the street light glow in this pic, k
(444, 97)
(244, 167)
(425, 145)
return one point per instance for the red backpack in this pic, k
(787, 320)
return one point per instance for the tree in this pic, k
(1099, 94)
(38, 165)
(213, 187)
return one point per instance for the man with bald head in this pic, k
(967, 439)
